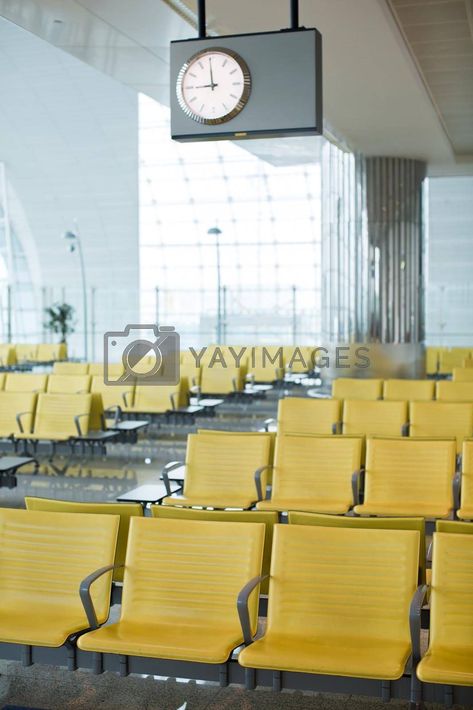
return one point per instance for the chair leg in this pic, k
(123, 666)
(250, 678)
(448, 695)
(223, 675)
(386, 691)
(98, 663)
(71, 657)
(26, 656)
(277, 681)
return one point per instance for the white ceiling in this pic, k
(374, 96)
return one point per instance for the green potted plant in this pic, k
(60, 319)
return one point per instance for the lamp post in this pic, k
(216, 232)
(74, 242)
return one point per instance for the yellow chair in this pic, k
(124, 511)
(25, 382)
(352, 388)
(60, 417)
(2, 380)
(43, 560)
(190, 382)
(447, 391)
(113, 396)
(301, 415)
(324, 612)
(224, 471)
(298, 358)
(405, 390)
(68, 384)
(115, 369)
(466, 500)
(449, 657)
(7, 355)
(314, 474)
(266, 364)
(16, 413)
(270, 434)
(453, 526)
(432, 357)
(468, 361)
(49, 352)
(409, 477)
(452, 358)
(232, 516)
(442, 419)
(25, 352)
(70, 368)
(154, 399)
(346, 521)
(221, 380)
(361, 417)
(462, 374)
(181, 582)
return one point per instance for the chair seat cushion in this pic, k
(179, 642)
(307, 505)
(406, 508)
(465, 513)
(355, 657)
(447, 666)
(213, 501)
(39, 625)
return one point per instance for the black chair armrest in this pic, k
(417, 603)
(77, 419)
(19, 422)
(456, 486)
(242, 607)
(84, 592)
(337, 427)
(405, 429)
(355, 486)
(166, 470)
(259, 487)
(268, 422)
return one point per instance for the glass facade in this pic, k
(269, 249)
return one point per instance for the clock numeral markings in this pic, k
(192, 99)
(226, 60)
(235, 83)
(233, 96)
(201, 65)
(224, 106)
(202, 107)
(188, 88)
(191, 74)
(233, 71)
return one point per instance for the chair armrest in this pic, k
(242, 607)
(428, 556)
(337, 428)
(116, 410)
(268, 422)
(173, 397)
(405, 429)
(234, 384)
(250, 377)
(259, 487)
(19, 422)
(77, 421)
(355, 486)
(167, 469)
(125, 397)
(84, 592)
(415, 622)
(456, 486)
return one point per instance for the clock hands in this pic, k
(212, 83)
(206, 86)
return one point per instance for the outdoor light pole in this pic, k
(74, 242)
(216, 232)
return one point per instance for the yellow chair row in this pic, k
(443, 360)
(44, 416)
(298, 415)
(460, 390)
(20, 353)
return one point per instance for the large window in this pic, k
(269, 247)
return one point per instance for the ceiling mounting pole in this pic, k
(294, 14)
(201, 17)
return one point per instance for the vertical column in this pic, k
(395, 236)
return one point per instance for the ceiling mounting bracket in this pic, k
(202, 19)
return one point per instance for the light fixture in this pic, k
(74, 243)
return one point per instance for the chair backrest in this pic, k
(266, 363)
(454, 526)
(25, 382)
(462, 374)
(352, 388)
(419, 390)
(432, 355)
(447, 391)
(409, 470)
(55, 415)
(13, 404)
(271, 435)
(113, 395)
(332, 566)
(451, 358)
(68, 384)
(468, 361)
(374, 418)
(316, 468)
(70, 368)
(466, 502)
(190, 572)
(125, 511)
(304, 415)
(49, 352)
(7, 355)
(344, 521)
(190, 376)
(442, 419)
(225, 464)
(2, 380)
(269, 518)
(44, 558)
(25, 352)
(451, 600)
(156, 399)
(114, 369)
(298, 358)
(221, 380)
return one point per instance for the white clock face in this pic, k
(213, 86)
